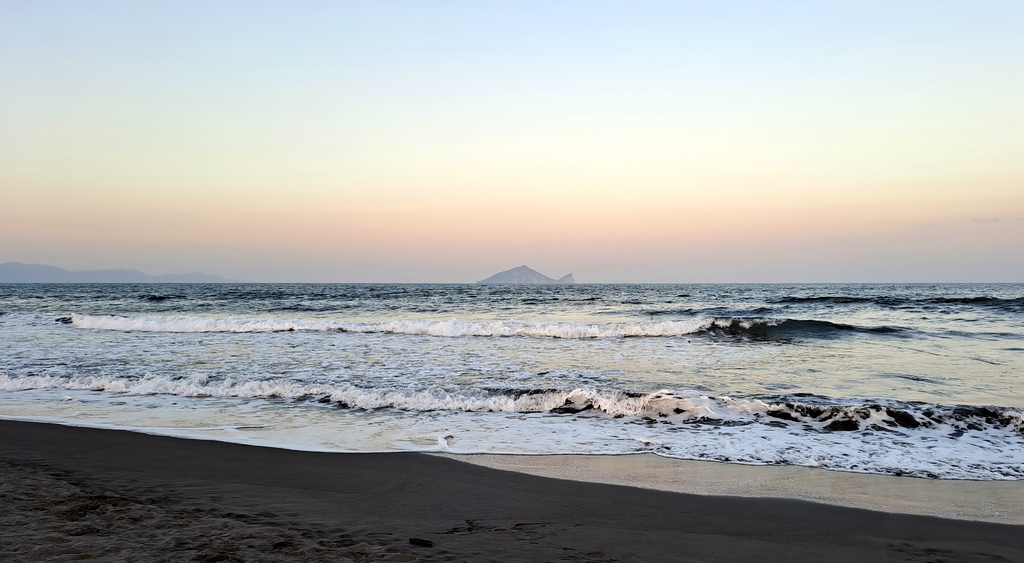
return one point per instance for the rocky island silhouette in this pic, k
(526, 275)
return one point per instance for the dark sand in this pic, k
(71, 493)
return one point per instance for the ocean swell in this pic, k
(1011, 304)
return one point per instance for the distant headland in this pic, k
(526, 275)
(16, 272)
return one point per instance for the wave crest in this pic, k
(816, 413)
(754, 327)
(423, 327)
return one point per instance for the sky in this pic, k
(443, 141)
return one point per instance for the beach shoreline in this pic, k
(987, 501)
(70, 491)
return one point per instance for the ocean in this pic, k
(923, 380)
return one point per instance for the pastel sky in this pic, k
(441, 141)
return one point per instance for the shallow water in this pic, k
(922, 380)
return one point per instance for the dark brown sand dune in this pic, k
(84, 494)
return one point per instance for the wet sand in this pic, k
(988, 501)
(69, 493)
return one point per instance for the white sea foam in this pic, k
(993, 454)
(684, 406)
(693, 404)
(342, 394)
(450, 328)
(871, 386)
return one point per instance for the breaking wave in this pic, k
(781, 328)
(892, 438)
(809, 412)
(752, 327)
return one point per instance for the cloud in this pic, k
(987, 219)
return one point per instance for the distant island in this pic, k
(16, 272)
(526, 275)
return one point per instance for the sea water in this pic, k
(917, 380)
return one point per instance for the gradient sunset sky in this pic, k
(439, 141)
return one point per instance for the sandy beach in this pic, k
(71, 493)
(989, 501)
